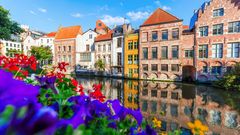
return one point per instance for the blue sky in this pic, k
(48, 15)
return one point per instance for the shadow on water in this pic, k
(175, 104)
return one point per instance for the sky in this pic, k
(49, 15)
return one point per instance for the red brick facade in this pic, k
(219, 49)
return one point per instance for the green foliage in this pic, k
(231, 81)
(41, 53)
(11, 53)
(6, 115)
(100, 65)
(7, 26)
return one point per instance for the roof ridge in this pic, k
(168, 13)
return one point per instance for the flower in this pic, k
(15, 92)
(47, 83)
(197, 127)
(62, 66)
(156, 123)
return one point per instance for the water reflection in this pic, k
(174, 104)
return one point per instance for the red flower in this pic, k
(97, 94)
(62, 66)
(24, 72)
(13, 68)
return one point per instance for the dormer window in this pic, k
(218, 12)
(99, 24)
(90, 36)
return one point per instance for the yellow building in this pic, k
(131, 96)
(131, 60)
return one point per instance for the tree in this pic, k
(231, 80)
(7, 26)
(100, 65)
(43, 54)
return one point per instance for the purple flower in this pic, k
(15, 92)
(34, 120)
(47, 83)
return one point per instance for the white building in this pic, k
(85, 53)
(9, 47)
(31, 40)
(117, 48)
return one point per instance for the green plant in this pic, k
(100, 65)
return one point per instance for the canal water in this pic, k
(175, 104)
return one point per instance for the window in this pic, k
(69, 48)
(203, 31)
(218, 29)
(59, 48)
(135, 45)
(144, 37)
(175, 52)
(64, 48)
(145, 53)
(233, 50)
(6, 44)
(119, 59)
(145, 67)
(216, 70)
(154, 36)
(154, 53)
(47, 40)
(10, 44)
(205, 69)
(188, 53)
(234, 27)
(41, 40)
(164, 67)
(175, 67)
(99, 48)
(104, 48)
(130, 45)
(130, 59)
(203, 51)
(14, 45)
(70, 58)
(64, 58)
(90, 36)
(175, 33)
(154, 67)
(109, 47)
(87, 48)
(119, 42)
(99, 24)
(217, 50)
(218, 12)
(135, 59)
(165, 35)
(86, 56)
(135, 70)
(164, 52)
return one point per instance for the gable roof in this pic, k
(52, 34)
(68, 32)
(104, 37)
(160, 16)
(90, 30)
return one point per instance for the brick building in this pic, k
(66, 42)
(163, 41)
(217, 36)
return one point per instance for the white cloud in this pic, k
(42, 10)
(166, 8)
(105, 7)
(76, 15)
(138, 15)
(32, 12)
(158, 3)
(117, 20)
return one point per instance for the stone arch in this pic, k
(153, 76)
(163, 85)
(216, 63)
(153, 85)
(203, 63)
(231, 63)
(172, 86)
(202, 78)
(163, 76)
(175, 77)
(145, 76)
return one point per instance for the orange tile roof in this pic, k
(104, 37)
(52, 34)
(68, 32)
(160, 16)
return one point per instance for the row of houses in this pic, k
(163, 48)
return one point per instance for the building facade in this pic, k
(161, 47)
(9, 48)
(103, 50)
(86, 50)
(66, 42)
(217, 36)
(131, 60)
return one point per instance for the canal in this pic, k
(175, 104)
